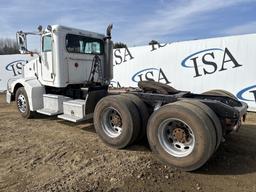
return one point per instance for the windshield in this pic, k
(47, 43)
(84, 45)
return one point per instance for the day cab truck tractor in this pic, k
(70, 79)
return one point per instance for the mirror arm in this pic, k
(40, 58)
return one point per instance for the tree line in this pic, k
(119, 45)
(8, 46)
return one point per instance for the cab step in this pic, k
(74, 111)
(53, 104)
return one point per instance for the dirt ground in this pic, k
(48, 154)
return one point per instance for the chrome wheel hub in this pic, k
(111, 122)
(176, 137)
(22, 103)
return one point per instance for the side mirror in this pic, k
(22, 42)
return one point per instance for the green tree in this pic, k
(8, 46)
(119, 45)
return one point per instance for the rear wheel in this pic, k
(220, 92)
(181, 134)
(116, 120)
(22, 103)
(143, 113)
(214, 118)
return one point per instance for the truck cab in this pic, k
(66, 57)
(71, 64)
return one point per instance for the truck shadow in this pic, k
(237, 156)
(137, 146)
(44, 117)
(84, 125)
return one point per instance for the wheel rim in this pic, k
(111, 122)
(22, 103)
(176, 137)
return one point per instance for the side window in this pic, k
(92, 48)
(84, 45)
(47, 43)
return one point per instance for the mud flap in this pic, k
(8, 97)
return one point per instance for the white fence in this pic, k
(11, 67)
(219, 63)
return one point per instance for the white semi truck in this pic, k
(70, 79)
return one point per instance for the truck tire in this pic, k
(203, 114)
(181, 134)
(156, 87)
(143, 113)
(214, 118)
(116, 121)
(22, 103)
(220, 92)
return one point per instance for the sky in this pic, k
(136, 22)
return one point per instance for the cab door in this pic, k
(47, 58)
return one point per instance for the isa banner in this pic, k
(227, 63)
(11, 67)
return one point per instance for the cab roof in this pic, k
(77, 31)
